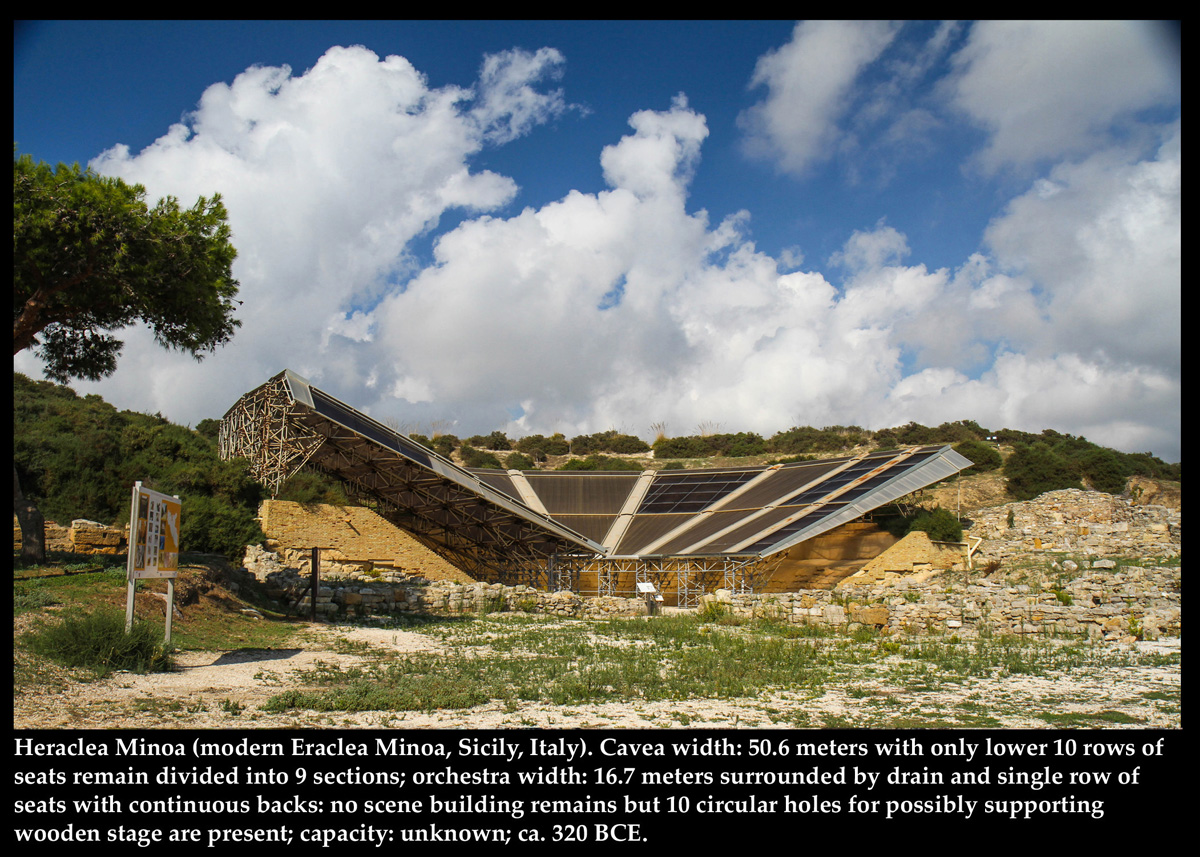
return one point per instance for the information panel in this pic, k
(153, 534)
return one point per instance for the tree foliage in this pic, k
(90, 257)
(78, 457)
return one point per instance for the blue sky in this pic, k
(572, 226)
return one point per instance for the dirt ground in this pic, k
(227, 689)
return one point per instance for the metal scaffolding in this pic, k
(689, 576)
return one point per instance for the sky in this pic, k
(540, 227)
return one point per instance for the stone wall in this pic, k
(1120, 602)
(351, 538)
(86, 537)
(1085, 522)
(1117, 602)
(357, 595)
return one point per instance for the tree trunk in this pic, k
(33, 525)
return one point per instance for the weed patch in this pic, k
(98, 642)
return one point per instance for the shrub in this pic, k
(310, 487)
(1035, 469)
(473, 457)
(210, 525)
(584, 444)
(445, 444)
(791, 459)
(496, 440)
(680, 447)
(519, 461)
(804, 439)
(984, 456)
(915, 434)
(599, 462)
(940, 524)
(539, 446)
(960, 432)
(98, 642)
(1105, 469)
(626, 444)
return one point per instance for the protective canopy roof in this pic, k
(736, 511)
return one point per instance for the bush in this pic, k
(806, 439)
(209, 525)
(626, 444)
(539, 446)
(940, 525)
(98, 642)
(496, 440)
(584, 444)
(445, 444)
(984, 456)
(599, 462)
(1035, 469)
(473, 457)
(310, 487)
(608, 441)
(960, 432)
(1105, 470)
(519, 461)
(680, 447)
(915, 434)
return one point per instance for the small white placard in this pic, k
(646, 588)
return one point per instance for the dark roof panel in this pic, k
(581, 492)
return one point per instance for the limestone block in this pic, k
(870, 615)
(834, 614)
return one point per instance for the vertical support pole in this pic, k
(315, 585)
(130, 580)
(170, 607)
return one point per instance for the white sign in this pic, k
(153, 546)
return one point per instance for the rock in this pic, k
(877, 616)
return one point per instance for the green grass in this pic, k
(671, 658)
(1086, 720)
(513, 659)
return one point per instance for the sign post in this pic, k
(153, 546)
